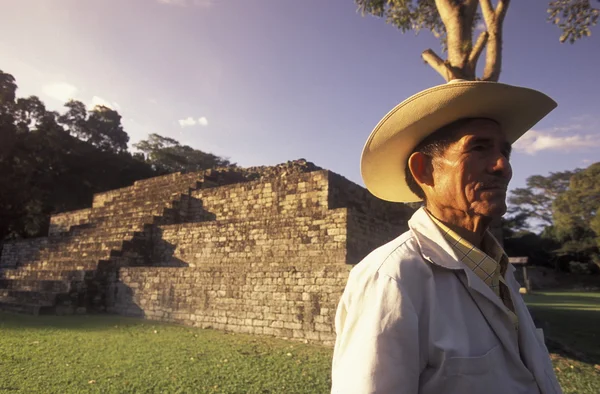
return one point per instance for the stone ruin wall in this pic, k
(63, 222)
(266, 251)
(271, 257)
(18, 252)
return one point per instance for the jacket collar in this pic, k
(438, 251)
(434, 246)
(432, 243)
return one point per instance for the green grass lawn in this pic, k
(573, 320)
(112, 354)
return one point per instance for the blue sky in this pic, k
(266, 81)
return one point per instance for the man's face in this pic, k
(473, 173)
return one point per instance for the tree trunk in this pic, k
(458, 19)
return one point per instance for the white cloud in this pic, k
(480, 26)
(189, 121)
(535, 141)
(60, 91)
(100, 101)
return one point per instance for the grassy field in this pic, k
(571, 323)
(571, 318)
(111, 354)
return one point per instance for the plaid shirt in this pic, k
(490, 265)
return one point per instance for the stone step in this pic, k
(141, 196)
(131, 209)
(65, 255)
(58, 286)
(93, 235)
(140, 200)
(68, 275)
(118, 224)
(42, 298)
(125, 215)
(45, 274)
(61, 265)
(8, 305)
(86, 247)
(183, 181)
(71, 256)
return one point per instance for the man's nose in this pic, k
(501, 167)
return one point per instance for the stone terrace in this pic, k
(264, 250)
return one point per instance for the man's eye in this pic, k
(479, 147)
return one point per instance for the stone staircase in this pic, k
(67, 272)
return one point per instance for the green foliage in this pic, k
(573, 17)
(167, 155)
(565, 203)
(534, 202)
(101, 127)
(405, 14)
(52, 162)
(576, 213)
(537, 248)
(45, 170)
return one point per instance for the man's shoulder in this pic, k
(396, 259)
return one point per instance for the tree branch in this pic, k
(487, 11)
(445, 8)
(501, 9)
(431, 58)
(470, 8)
(494, 20)
(477, 49)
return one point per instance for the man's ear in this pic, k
(421, 169)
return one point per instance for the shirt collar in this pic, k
(436, 248)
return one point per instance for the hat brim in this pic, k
(387, 149)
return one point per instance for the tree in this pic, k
(45, 170)
(534, 202)
(8, 89)
(100, 127)
(168, 155)
(75, 119)
(576, 211)
(573, 17)
(105, 130)
(454, 21)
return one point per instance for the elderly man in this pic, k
(438, 310)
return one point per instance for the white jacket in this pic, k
(414, 319)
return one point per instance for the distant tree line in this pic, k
(53, 162)
(554, 220)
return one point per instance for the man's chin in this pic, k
(493, 210)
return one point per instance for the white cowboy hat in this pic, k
(386, 152)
